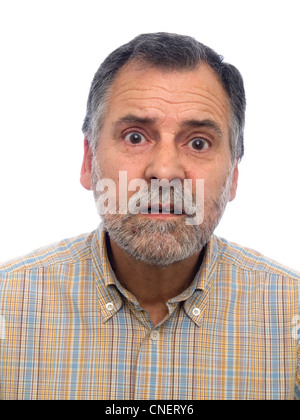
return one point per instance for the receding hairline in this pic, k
(143, 64)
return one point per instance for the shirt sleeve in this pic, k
(297, 384)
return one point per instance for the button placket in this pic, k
(154, 335)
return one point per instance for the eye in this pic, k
(135, 138)
(199, 144)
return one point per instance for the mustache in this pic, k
(154, 198)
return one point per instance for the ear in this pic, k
(234, 182)
(86, 168)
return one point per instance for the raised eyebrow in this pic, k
(193, 123)
(131, 118)
(203, 123)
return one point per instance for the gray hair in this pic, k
(170, 52)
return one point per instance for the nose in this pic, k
(165, 162)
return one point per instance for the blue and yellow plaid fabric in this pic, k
(70, 331)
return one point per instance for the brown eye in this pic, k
(135, 138)
(199, 143)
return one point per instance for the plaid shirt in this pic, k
(69, 330)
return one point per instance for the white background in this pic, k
(50, 51)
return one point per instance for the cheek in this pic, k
(124, 176)
(214, 182)
(112, 162)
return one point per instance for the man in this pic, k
(152, 305)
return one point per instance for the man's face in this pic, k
(167, 125)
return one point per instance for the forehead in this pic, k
(169, 95)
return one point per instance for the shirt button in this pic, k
(109, 306)
(154, 335)
(196, 311)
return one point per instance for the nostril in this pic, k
(161, 167)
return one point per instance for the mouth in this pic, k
(163, 209)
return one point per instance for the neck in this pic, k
(152, 285)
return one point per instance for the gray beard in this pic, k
(159, 242)
(155, 242)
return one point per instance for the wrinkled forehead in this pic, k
(150, 90)
(201, 75)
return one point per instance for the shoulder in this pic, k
(247, 259)
(66, 251)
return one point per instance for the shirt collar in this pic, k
(110, 290)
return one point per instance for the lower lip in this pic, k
(161, 215)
